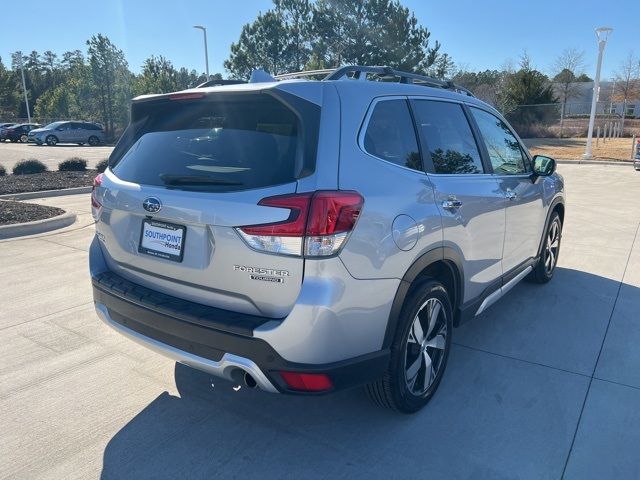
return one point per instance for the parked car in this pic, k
(18, 133)
(69, 132)
(3, 127)
(636, 160)
(309, 236)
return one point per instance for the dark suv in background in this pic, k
(18, 133)
(69, 132)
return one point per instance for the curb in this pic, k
(596, 162)
(46, 193)
(37, 226)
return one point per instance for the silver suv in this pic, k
(306, 236)
(69, 132)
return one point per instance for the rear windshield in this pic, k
(215, 145)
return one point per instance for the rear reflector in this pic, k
(307, 382)
(318, 224)
(95, 203)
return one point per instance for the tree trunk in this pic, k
(562, 117)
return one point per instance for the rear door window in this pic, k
(222, 144)
(447, 136)
(390, 134)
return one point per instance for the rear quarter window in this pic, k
(390, 134)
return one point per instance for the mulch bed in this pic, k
(19, 212)
(36, 182)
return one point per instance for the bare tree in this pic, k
(627, 83)
(565, 70)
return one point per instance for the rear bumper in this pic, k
(213, 340)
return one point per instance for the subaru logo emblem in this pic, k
(152, 205)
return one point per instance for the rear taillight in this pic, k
(318, 224)
(95, 203)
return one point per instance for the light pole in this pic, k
(602, 34)
(24, 85)
(206, 51)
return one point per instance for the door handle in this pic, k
(451, 204)
(511, 195)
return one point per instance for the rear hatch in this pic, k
(189, 169)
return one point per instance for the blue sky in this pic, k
(478, 34)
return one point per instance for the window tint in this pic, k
(224, 144)
(504, 150)
(390, 134)
(447, 135)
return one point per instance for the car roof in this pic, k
(369, 89)
(362, 82)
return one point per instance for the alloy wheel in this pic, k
(425, 349)
(552, 246)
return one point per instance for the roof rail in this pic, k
(351, 72)
(356, 72)
(304, 74)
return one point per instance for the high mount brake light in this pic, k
(186, 96)
(318, 223)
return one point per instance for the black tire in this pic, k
(94, 141)
(52, 140)
(80, 144)
(24, 138)
(543, 272)
(395, 389)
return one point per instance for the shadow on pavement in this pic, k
(493, 417)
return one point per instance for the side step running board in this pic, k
(497, 295)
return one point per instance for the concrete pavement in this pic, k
(546, 383)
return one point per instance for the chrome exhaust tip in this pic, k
(249, 381)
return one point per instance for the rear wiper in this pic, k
(195, 180)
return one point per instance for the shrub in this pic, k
(25, 167)
(3, 171)
(74, 164)
(102, 165)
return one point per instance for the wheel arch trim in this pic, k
(445, 255)
(557, 201)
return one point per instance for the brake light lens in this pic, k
(318, 224)
(186, 96)
(96, 206)
(307, 382)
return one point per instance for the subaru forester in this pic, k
(305, 236)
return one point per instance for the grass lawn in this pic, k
(573, 148)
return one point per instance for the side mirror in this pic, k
(543, 166)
